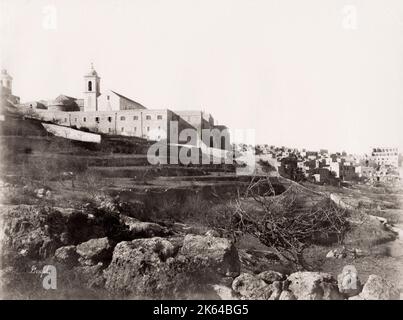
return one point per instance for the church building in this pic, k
(112, 113)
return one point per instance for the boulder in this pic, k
(91, 276)
(95, 250)
(67, 255)
(377, 288)
(135, 264)
(313, 286)
(251, 287)
(277, 287)
(224, 292)
(219, 254)
(31, 230)
(270, 276)
(348, 282)
(139, 229)
(40, 193)
(287, 295)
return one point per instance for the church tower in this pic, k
(6, 81)
(91, 91)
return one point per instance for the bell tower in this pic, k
(91, 90)
(6, 81)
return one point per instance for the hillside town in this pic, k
(380, 164)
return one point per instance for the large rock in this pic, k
(313, 286)
(270, 276)
(377, 288)
(136, 266)
(30, 230)
(139, 229)
(287, 295)
(348, 282)
(224, 292)
(251, 287)
(218, 253)
(91, 276)
(67, 255)
(95, 250)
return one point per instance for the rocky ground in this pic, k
(103, 250)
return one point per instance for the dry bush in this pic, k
(282, 224)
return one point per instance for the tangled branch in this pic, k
(285, 223)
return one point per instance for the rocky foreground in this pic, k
(100, 251)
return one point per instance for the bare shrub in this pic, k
(92, 182)
(284, 225)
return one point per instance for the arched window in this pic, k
(223, 142)
(89, 85)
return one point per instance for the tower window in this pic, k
(148, 117)
(89, 85)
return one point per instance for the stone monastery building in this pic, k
(112, 113)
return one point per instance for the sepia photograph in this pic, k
(219, 152)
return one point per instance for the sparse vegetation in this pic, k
(285, 227)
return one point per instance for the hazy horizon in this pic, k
(288, 69)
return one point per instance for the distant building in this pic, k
(386, 156)
(6, 89)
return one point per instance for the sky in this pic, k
(313, 74)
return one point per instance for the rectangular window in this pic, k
(123, 129)
(135, 129)
(110, 119)
(107, 98)
(122, 118)
(135, 118)
(159, 117)
(75, 120)
(65, 119)
(109, 129)
(84, 119)
(97, 119)
(148, 117)
(148, 128)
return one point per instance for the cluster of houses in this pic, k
(379, 165)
